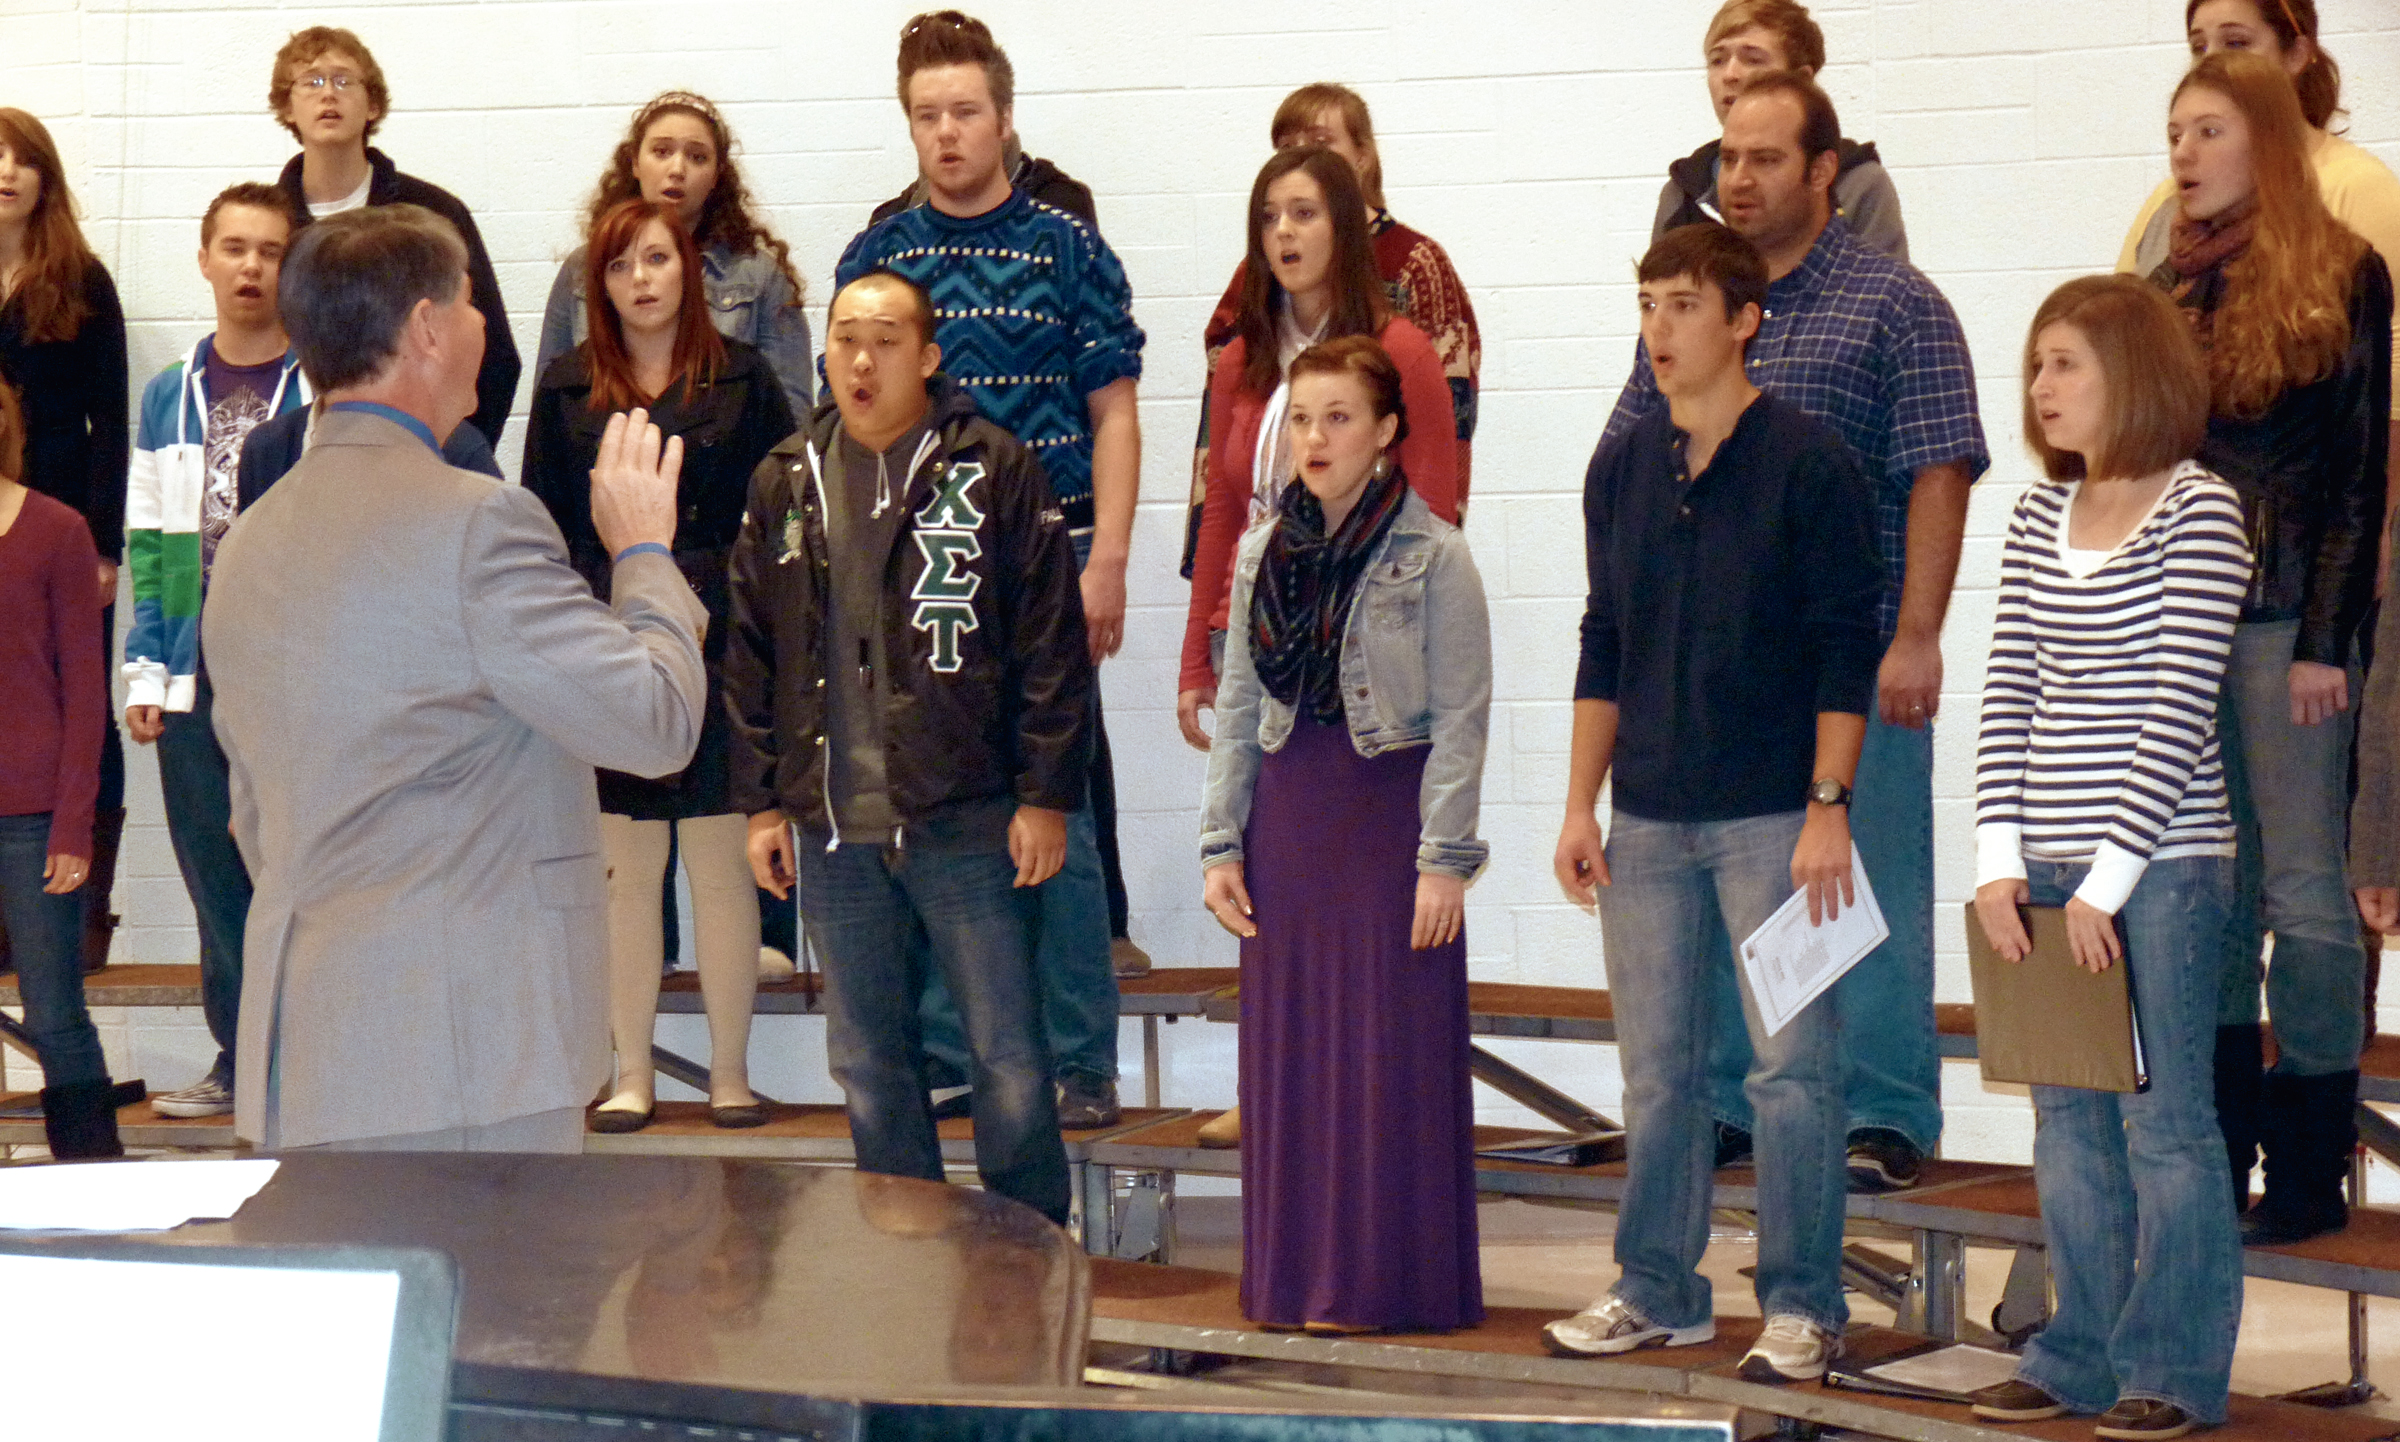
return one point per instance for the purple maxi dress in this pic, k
(1358, 1173)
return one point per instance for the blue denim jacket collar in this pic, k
(1418, 598)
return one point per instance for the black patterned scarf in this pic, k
(1306, 582)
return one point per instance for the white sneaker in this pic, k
(774, 966)
(1790, 1349)
(210, 1096)
(1613, 1325)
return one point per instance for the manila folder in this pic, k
(2047, 1021)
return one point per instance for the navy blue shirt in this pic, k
(1727, 610)
(1868, 344)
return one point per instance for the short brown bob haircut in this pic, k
(351, 281)
(952, 37)
(1362, 356)
(1803, 43)
(1308, 104)
(306, 48)
(1712, 253)
(2156, 377)
(1820, 127)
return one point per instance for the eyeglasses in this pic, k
(318, 80)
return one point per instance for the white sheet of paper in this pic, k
(1961, 1369)
(1790, 963)
(127, 1196)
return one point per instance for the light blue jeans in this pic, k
(1668, 880)
(2291, 808)
(1891, 1057)
(1078, 981)
(2143, 1249)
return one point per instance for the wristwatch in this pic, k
(1829, 792)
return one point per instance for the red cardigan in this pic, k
(51, 706)
(1429, 458)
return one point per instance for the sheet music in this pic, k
(128, 1196)
(1790, 963)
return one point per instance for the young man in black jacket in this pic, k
(329, 92)
(911, 685)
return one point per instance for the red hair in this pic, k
(2285, 319)
(699, 350)
(50, 285)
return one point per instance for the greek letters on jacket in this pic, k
(991, 670)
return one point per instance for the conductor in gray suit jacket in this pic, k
(412, 690)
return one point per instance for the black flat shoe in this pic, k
(2267, 1225)
(748, 1114)
(618, 1119)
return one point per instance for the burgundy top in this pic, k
(50, 672)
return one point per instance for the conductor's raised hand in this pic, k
(633, 483)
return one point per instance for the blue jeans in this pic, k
(45, 934)
(1668, 879)
(2143, 1249)
(876, 917)
(1891, 1057)
(193, 778)
(2291, 808)
(1079, 981)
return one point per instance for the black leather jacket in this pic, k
(2311, 477)
(999, 707)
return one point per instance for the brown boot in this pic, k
(100, 923)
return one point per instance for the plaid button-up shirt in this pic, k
(1868, 345)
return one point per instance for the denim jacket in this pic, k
(1416, 671)
(748, 300)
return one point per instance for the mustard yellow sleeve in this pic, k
(2126, 261)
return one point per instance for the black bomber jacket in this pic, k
(992, 679)
(2310, 473)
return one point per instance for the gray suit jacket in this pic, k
(412, 691)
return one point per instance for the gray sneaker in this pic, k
(1789, 1348)
(211, 1096)
(1612, 1325)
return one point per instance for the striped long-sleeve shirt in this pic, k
(2099, 737)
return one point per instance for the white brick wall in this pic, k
(1529, 138)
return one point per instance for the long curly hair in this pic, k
(2285, 319)
(699, 350)
(49, 287)
(729, 217)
